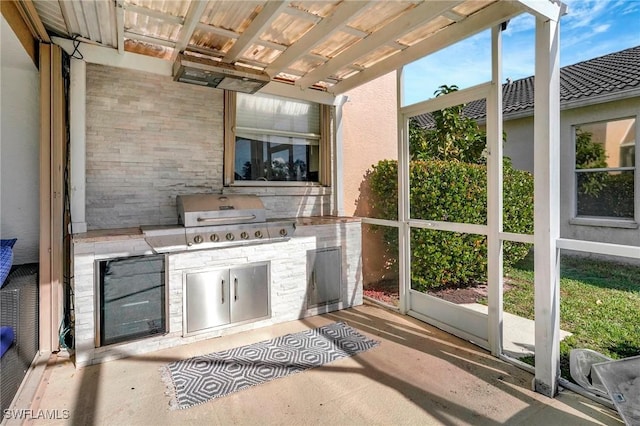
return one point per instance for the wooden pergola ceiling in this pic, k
(331, 45)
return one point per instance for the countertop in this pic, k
(119, 234)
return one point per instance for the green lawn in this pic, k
(599, 304)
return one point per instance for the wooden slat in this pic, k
(58, 149)
(229, 136)
(325, 145)
(196, 9)
(31, 17)
(21, 29)
(44, 275)
(53, 138)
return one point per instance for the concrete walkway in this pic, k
(518, 333)
(417, 375)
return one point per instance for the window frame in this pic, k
(324, 147)
(605, 221)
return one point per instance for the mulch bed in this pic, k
(386, 291)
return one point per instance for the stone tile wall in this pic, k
(149, 139)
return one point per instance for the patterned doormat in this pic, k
(199, 379)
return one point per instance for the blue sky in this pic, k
(592, 28)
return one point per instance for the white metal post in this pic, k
(404, 248)
(547, 200)
(77, 126)
(494, 195)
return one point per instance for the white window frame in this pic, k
(324, 142)
(605, 221)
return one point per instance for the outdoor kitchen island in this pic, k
(317, 270)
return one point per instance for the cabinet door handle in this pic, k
(235, 288)
(222, 291)
(313, 279)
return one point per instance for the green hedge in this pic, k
(452, 191)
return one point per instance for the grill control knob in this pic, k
(198, 239)
(230, 237)
(244, 236)
(214, 237)
(258, 234)
(283, 232)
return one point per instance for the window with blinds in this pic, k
(276, 139)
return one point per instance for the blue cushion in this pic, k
(6, 339)
(6, 260)
(8, 243)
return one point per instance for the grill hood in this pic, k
(217, 209)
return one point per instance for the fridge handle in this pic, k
(235, 288)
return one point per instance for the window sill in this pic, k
(607, 223)
(278, 190)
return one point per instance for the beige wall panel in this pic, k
(370, 135)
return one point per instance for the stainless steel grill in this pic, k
(215, 220)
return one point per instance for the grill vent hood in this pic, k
(205, 72)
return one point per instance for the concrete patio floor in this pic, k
(417, 375)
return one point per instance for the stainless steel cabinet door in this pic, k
(325, 276)
(250, 293)
(208, 296)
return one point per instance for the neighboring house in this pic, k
(601, 97)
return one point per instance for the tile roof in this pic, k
(589, 80)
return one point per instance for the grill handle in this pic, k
(226, 219)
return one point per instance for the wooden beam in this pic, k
(291, 91)
(318, 34)
(95, 54)
(31, 17)
(21, 29)
(148, 39)
(463, 96)
(486, 18)
(141, 10)
(196, 9)
(216, 30)
(411, 20)
(267, 15)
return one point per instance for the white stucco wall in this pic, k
(19, 148)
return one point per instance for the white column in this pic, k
(404, 246)
(547, 200)
(494, 195)
(77, 123)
